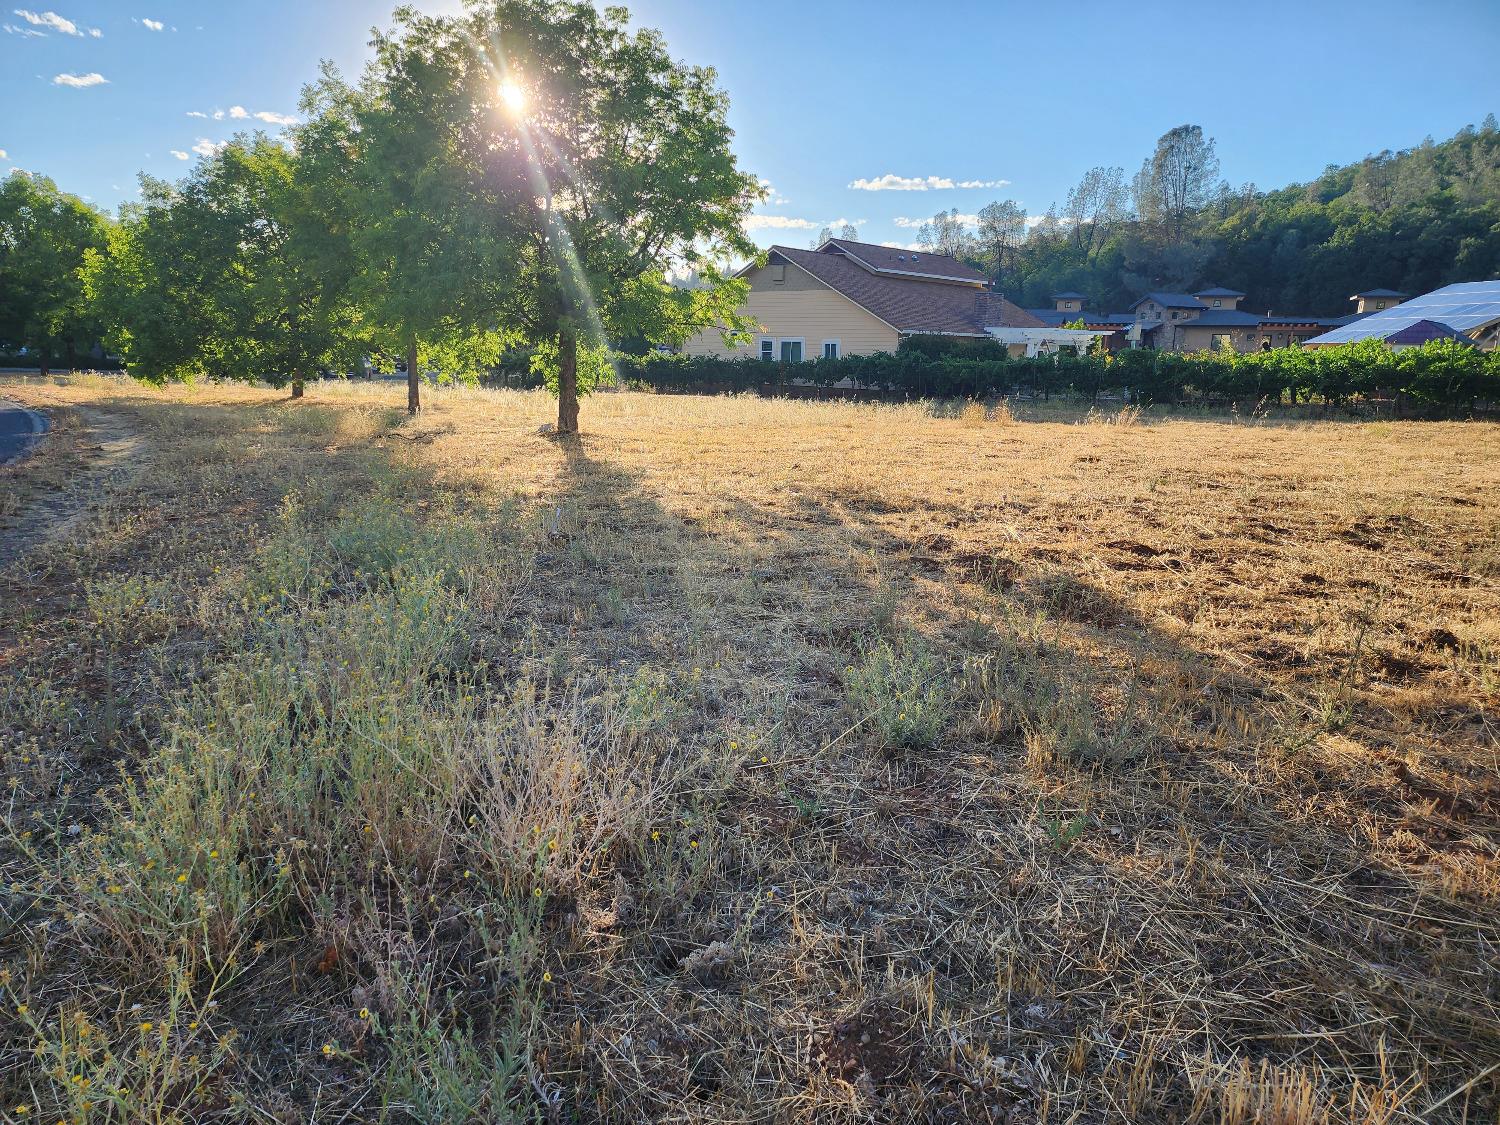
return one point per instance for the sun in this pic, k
(512, 96)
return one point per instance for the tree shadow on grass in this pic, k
(1194, 781)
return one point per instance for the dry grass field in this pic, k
(745, 761)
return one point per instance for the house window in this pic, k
(1379, 304)
(767, 349)
(1219, 340)
(1218, 304)
(830, 349)
(791, 351)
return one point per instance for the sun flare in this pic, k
(512, 96)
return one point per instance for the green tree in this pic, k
(947, 233)
(412, 155)
(1179, 179)
(238, 272)
(627, 159)
(46, 236)
(1002, 230)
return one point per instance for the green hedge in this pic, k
(1443, 373)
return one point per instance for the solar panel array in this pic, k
(1465, 306)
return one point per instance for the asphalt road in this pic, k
(19, 430)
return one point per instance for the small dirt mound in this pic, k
(876, 1046)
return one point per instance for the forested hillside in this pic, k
(1411, 220)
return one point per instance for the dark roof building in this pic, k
(899, 262)
(1172, 301)
(1422, 331)
(1054, 318)
(888, 285)
(1470, 309)
(856, 298)
(1227, 318)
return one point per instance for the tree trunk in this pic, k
(567, 381)
(298, 385)
(413, 380)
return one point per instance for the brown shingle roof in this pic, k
(910, 304)
(901, 260)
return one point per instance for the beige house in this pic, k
(1210, 320)
(1376, 300)
(855, 298)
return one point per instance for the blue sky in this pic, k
(1016, 99)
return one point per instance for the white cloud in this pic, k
(49, 19)
(778, 222)
(153, 25)
(903, 245)
(206, 147)
(783, 222)
(892, 182)
(240, 113)
(24, 32)
(773, 197)
(177, 152)
(53, 22)
(913, 224)
(80, 81)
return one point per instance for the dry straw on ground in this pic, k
(750, 761)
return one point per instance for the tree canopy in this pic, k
(528, 172)
(46, 236)
(627, 158)
(1412, 220)
(237, 272)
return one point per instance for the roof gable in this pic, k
(1465, 306)
(911, 304)
(1422, 331)
(899, 260)
(1171, 301)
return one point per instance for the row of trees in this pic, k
(1412, 220)
(1442, 373)
(45, 237)
(523, 173)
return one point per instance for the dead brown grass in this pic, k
(1184, 807)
